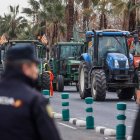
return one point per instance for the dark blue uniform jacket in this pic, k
(23, 111)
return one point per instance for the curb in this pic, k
(105, 131)
(56, 115)
(129, 138)
(77, 122)
(81, 123)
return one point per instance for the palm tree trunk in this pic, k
(70, 19)
(85, 18)
(103, 17)
(132, 17)
(103, 21)
(125, 24)
(55, 32)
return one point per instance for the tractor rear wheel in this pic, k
(60, 83)
(45, 84)
(98, 85)
(126, 93)
(83, 80)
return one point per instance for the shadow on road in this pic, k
(117, 100)
(109, 100)
(71, 91)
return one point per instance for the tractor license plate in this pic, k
(74, 68)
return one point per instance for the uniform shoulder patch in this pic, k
(10, 101)
(49, 110)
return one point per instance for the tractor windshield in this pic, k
(111, 44)
(70, 51)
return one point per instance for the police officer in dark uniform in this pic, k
(24, 113)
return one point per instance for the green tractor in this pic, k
(40, 49)
(64, 63)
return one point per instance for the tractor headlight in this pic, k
(116, 64)
(127, 64)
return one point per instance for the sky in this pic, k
(5, 3)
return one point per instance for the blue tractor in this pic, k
(106, 65)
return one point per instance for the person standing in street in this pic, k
(24, 113)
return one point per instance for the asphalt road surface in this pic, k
(104, 112)
(69, 132)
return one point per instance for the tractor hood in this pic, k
(117, 56)
(117, 61)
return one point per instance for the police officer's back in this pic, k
(23, 111)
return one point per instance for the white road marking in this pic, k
(132, 110)
(67, 126)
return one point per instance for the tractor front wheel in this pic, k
(83, 80)
(60, 83)
(126, 93)
(45, 84)
(98, 85)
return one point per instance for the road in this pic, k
(69, 132)
(104, 112)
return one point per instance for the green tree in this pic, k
(69, 16)
(33, 11)
(128, 10)
(53, 12)
(87, 11)
(12, 23)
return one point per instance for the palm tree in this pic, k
(11, 23)
(104, 8)
(132, 18)
(69, 15)
(33, 11)
(48, 16)
(87, 11)
(53, 12)
(127, 9)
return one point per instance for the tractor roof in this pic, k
(23, 41)
(108, 32)
(70, 43)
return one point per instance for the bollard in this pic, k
(65, 107)
(121, 128)
(46, 93)
(89, 111)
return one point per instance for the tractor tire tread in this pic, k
(100, 85)
(60, 83)
(45, 81)
(86, 92)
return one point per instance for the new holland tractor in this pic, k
(64, 63)
(40, 49)
(107, 65)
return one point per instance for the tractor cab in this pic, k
(40, 51)
(65, 61)
(103, 43)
